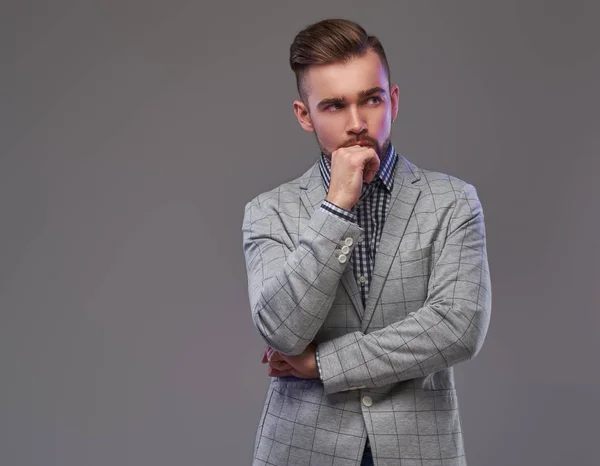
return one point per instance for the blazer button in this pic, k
(342, 258)
(348, 241)
(345, 249)
(367, 401)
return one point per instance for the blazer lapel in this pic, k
(403, 199)
(312, 194)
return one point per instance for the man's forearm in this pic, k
(450, 326)
(291, 290)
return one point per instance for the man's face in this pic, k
(348, 103)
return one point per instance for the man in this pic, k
(368, 277)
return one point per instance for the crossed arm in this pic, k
(450, 326)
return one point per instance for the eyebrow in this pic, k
(360, 95)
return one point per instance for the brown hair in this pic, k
(331, 41)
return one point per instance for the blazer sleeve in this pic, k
(291, 289)
(449, 328)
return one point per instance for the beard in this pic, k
(380, 150)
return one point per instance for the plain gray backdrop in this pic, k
(132, 135)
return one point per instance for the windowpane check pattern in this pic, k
(386, 365)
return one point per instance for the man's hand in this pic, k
(349, 167)
(276, 363)
(303, 366)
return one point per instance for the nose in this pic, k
(356, 122)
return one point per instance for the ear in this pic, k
(301, 112)
(394, 95)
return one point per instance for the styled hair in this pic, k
(331, 41)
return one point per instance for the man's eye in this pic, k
(333, 107)
(377, 99)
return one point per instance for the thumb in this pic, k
(370, 170)
(369, 175)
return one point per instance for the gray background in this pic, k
(133, 134)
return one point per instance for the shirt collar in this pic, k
(385, 172)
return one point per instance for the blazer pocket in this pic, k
(418, 254)
(410, 263)
(408, 278)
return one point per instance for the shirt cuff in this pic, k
(348, 215)
(318, 364)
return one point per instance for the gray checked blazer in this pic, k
(387, 368)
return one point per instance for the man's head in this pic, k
(343, 80)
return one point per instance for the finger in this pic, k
(369, 175)
(264, 359)
(276, 356)
(270, 353)
(370, 168)
(277, 373)
(372, 159)
(356, 147)
(282, 357)
(280, 365)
